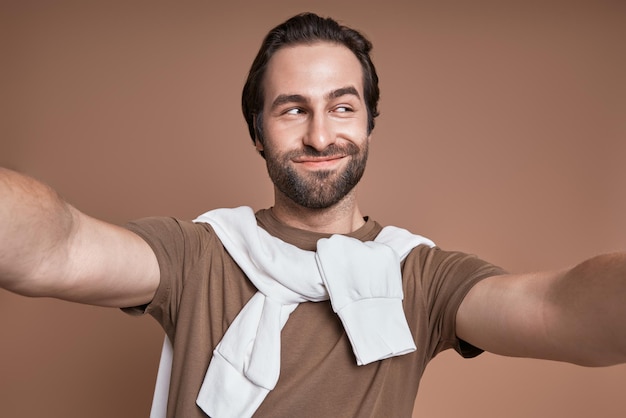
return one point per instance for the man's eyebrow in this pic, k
(288, 98)
(343, 91)
(298, 98)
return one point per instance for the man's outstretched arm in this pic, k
(577, 315)
(49, 248)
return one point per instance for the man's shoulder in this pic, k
(171, 230)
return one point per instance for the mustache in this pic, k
(330, 151)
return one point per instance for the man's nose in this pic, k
(319, 133)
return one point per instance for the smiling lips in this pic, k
(319, 162)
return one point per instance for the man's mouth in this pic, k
(319, 162)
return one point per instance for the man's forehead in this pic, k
(320, 68)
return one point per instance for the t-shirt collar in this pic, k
(307, 240)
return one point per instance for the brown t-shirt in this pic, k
(202, 290)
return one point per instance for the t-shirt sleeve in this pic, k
(176, 244)
(441, 280)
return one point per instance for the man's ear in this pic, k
(257, 142)
(258, 145)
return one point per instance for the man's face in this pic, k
(315, 138)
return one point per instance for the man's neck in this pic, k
(341, 218)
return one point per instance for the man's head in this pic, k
(306, 29)
(310, 103)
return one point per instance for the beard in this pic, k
(319, 189)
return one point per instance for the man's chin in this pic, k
(318, 197)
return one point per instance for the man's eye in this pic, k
(343, 109)
(294, 111)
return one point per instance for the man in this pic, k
(310, 102)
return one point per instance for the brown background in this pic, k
(502, 134)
